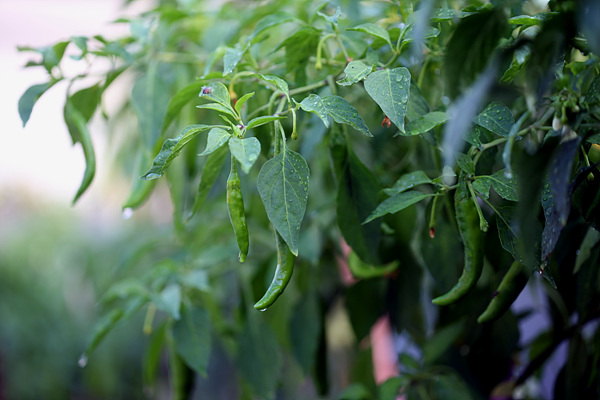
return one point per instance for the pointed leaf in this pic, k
(246, 151)
(30, 97)
(169, 300)
(217, 137)
(270, 21)
(314, 104)
(333, 18)
(231, 59)
(242, 100)
(355, 71)
(397, 203)
(344, 113)
(409, 181)
(373, 30)
(279, 83)
(77, 121)
(283, 187)
(390, 88)
(258, 121)
(425, 123)
(218, 93)
(218, 107)
(193, 338)
(466, 163)
(496, 118)
(171, 149)
(505, 187)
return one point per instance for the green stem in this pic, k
(483, 224)
(318, 64)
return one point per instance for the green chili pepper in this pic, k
(235, 205)
(283, 273)
(361, 270)
(511, 286)
(467, 220)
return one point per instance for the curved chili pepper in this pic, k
(509, 289)
(467, 220)
(283, 274)
(237, 215)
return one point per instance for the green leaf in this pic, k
(373, 30)
(505, 187)
(305, 328)
(425, 123)
(231, 59)
(169, 300)
(218, 93)
(314, 104)
(76, 121)
(152, 356)
(217, 137)
(355, 71)
(356, 391)
(470, 48)
(242, 100)
(496, 118)
(283, 187)
(333, 18)
(218, 107)
(520, 58)
(279, 83)
(530, 20)
(344, 113)
(442, 340)
(298, 49)
(270, 21)
(390, 88)
(30, 97)
(466, 163)
(258, 121)
(246, 151)
(171, 149)
(408, 181)
(396, 203)
(150, 99)
(181, 98)
(357, 196)
(193, 338)
(210, 172)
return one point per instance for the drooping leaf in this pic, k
(390, 88)
(505, 187)
(298, 49)
(216, 138)
(283, 187)
(245, 150)
(397, 203)
(150, 100)
(192, 334)
(470, 48)
(210, 172)
(356, 198)
(355, 71)
(30, 97)
(408, 181)
(425, 123)
(279, 83)
(497, 118)
(466, 163)
(314, 104)
(344, 113)
(373, 30)
(171, 149)
(78, 127)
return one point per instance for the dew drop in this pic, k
(508, 174)
(578, 252)
(127, 213)
(83, 360)
(263, 309)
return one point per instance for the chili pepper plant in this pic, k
(428, 163)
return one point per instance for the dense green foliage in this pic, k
(442, 141)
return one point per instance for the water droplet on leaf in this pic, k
(83, 360)
(127, 213)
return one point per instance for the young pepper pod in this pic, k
(472, 237)
(283, 274)
(235, 206)
(509, 289)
